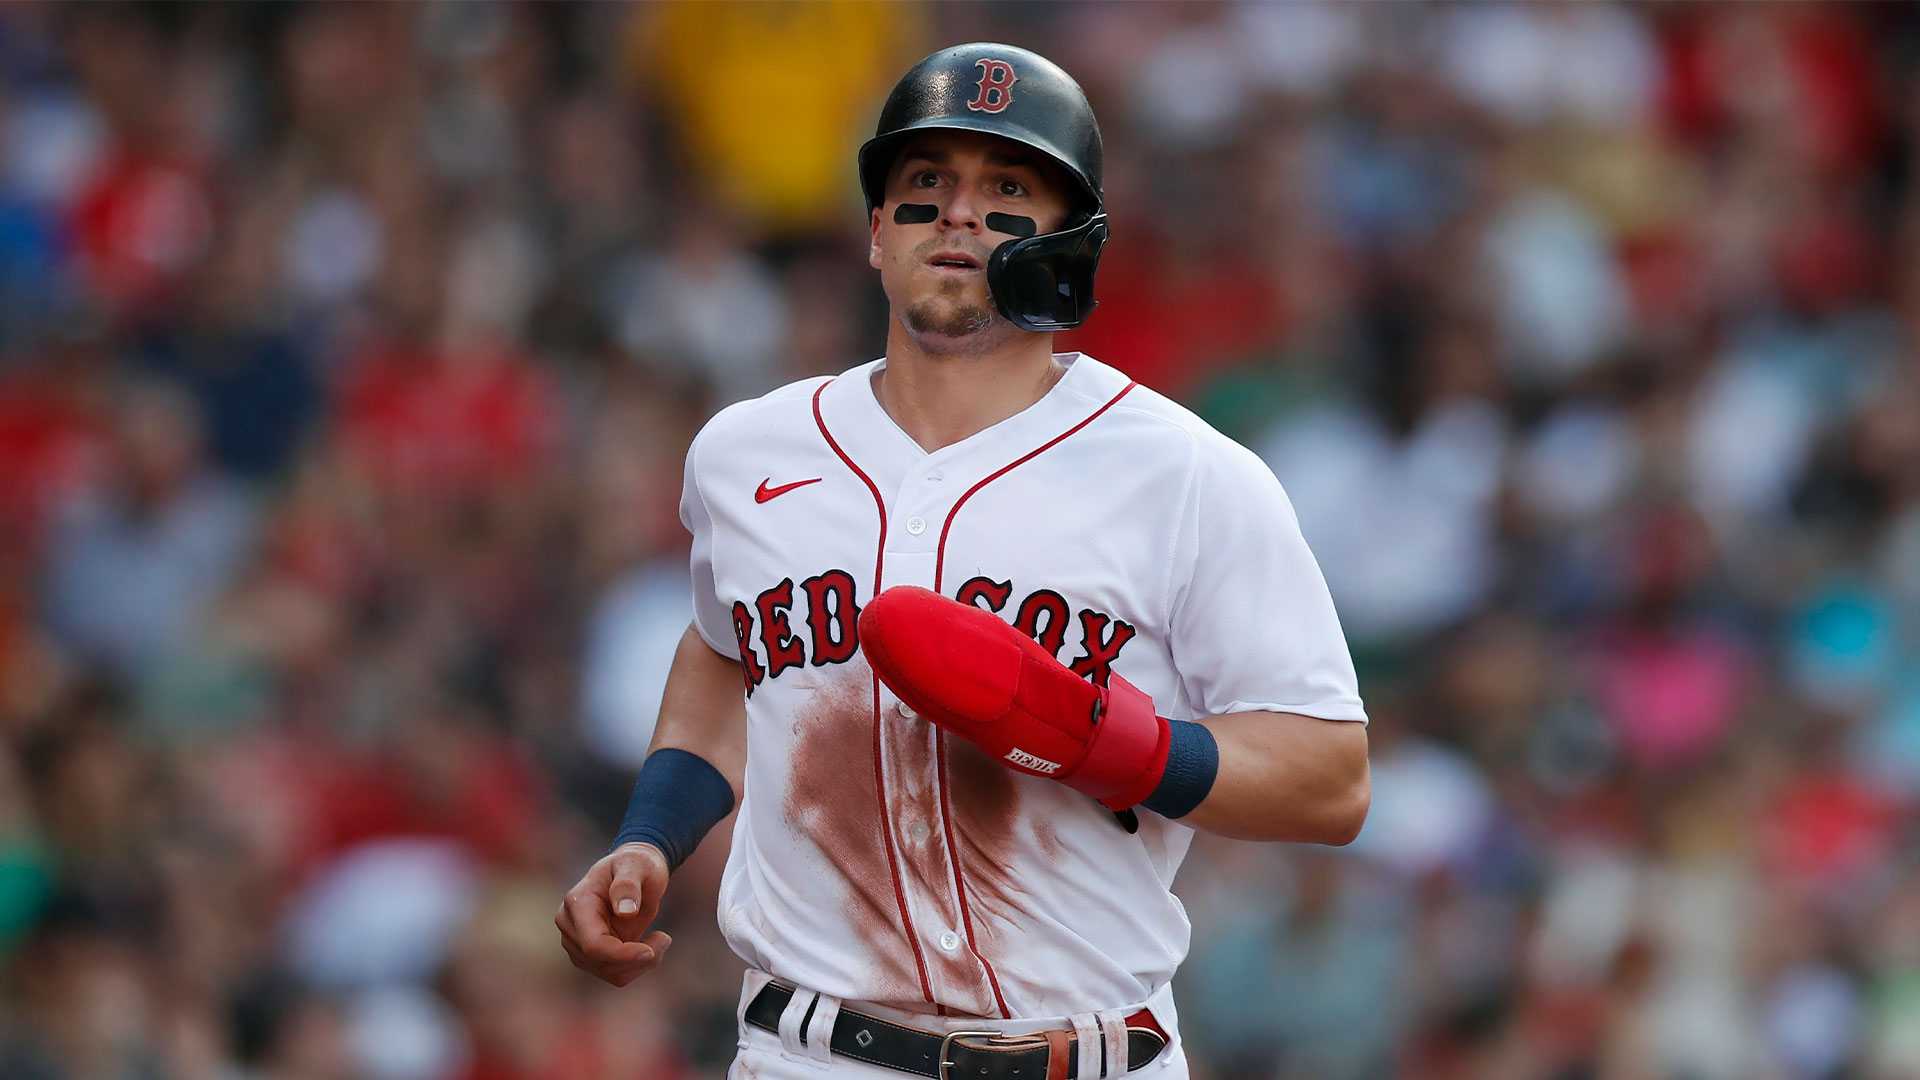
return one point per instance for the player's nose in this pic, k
(961, 212)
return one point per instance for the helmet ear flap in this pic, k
(1045, 283)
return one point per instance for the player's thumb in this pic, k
(636, 886)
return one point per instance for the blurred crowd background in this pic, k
(348, 355)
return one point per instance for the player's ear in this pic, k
(873, 238)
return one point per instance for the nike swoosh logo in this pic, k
(764, 493)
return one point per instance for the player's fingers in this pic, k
(656, 944)
(592, 883)
(586, 912)
(606, 960)
(587, 915)
(573, 952)
(574, 944)
(569, 934)
(605, 956)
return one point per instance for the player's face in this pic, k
(932, 255)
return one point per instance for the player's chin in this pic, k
(942, 317)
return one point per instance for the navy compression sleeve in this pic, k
(678, 798)
(1193, 760)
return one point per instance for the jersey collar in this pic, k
(861, 406)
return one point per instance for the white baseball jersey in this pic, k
(876, 859)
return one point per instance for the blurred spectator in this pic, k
(703, 305)
(133, 563)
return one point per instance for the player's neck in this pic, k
(940, 399)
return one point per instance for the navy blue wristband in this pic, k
(678, 798)
(1193, 760)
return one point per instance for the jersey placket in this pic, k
(961, 975)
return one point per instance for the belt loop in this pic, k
(1113, 1030)
(751, 984)
(1087, 1029)
(791, 1019)
(826, 1010)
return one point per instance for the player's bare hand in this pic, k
(604, 919)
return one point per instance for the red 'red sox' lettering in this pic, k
(776, 632)
(833, 619)
(750, 669)
(832, 616)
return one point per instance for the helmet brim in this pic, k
(877, 155)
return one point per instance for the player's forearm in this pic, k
(695, 766)
(702, 710)
(1286, 777)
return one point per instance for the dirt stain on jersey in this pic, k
(916, 825)
(984, 796)
(833, 801)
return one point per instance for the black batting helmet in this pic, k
(1042, 282)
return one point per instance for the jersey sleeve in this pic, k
(710, 617)
(1253, 626)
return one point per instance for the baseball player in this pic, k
(982, 633)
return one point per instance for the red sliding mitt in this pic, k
(972, 674)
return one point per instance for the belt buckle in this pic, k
(946, 1041)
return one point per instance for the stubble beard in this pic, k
(930, 317)
(953, 318)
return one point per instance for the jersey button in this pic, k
(917, 832)
(916, 525)
(905, 710)
(949, 941)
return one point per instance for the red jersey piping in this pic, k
(940, 746)
(879, 773)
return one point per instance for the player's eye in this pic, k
(925, 178)
(1012, 189)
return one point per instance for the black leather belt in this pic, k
(972, 1055)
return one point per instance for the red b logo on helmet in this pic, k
(996, 87)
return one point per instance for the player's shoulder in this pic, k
(743, 440)
(778, 422)
(1148, 418)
